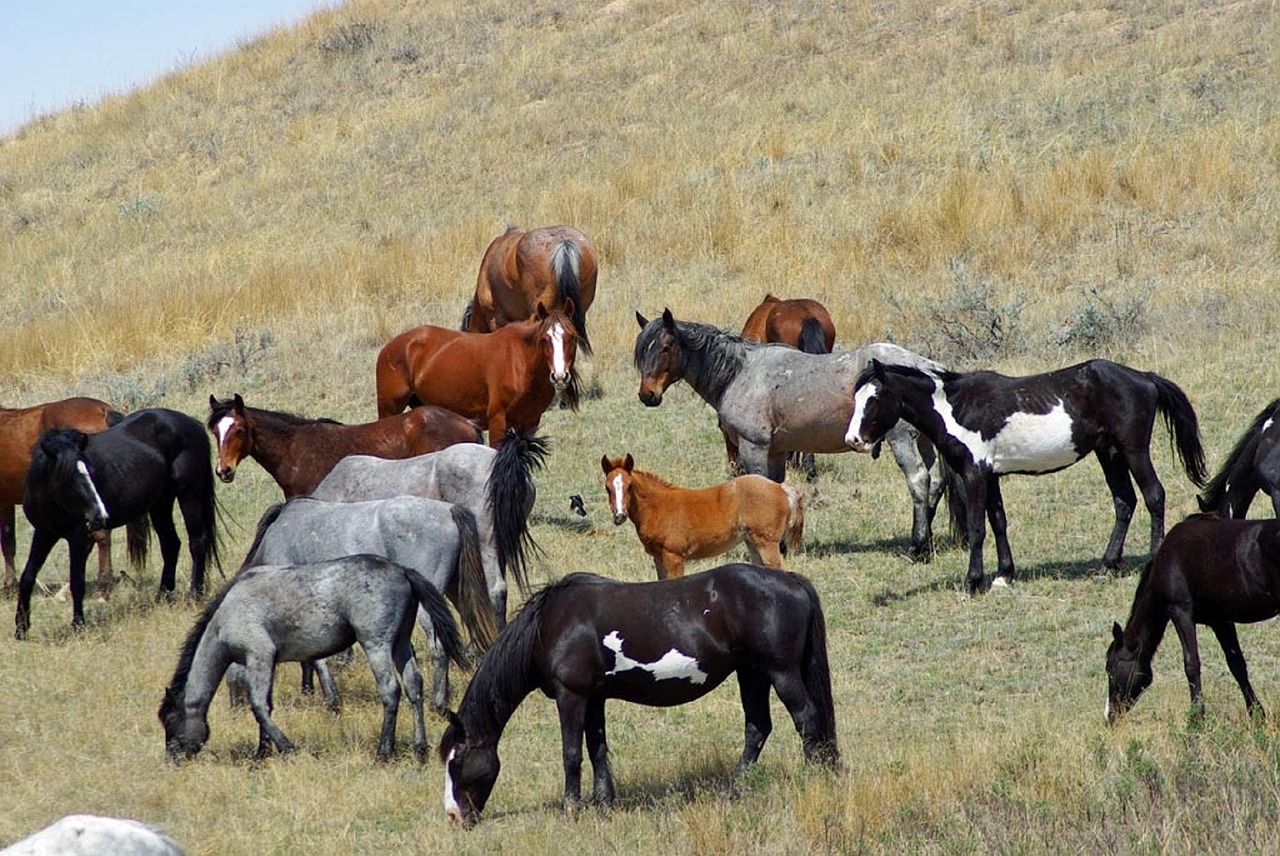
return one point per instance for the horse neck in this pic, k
(498, 687)
(648, 492)
(197, 679)
(272, 440)
(1147, 620)
(713, 366)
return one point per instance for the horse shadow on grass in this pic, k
(580, 526)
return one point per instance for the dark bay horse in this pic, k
(586, 639)
(299, 452)
(496, 485)
(1210, 571)
(552, 265)
(771, 401)
(20, 427)
(271, 614)
(504, 379)
(678, 523)
(987, 425)
(131, 474)
(1252, 466)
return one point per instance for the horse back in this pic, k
(1223, 569)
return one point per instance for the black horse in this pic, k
(586, 639)
(1253, 465)
(986, 425)
(127, 475)
(1207, 571)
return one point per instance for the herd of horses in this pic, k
(394, 519)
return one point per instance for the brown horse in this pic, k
(676, 523)
(20, 427)
(298, 452)
(504, 379)
(551, 265)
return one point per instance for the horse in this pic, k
(129, 475)
(299, 452)
(676, 523)
(986, 425)
(504, 379)
(1210, 571)
(771, 401)
(495, 485)
(552, 265)
(802, 323)
(86, 834)
(1253, 465)
(20, 427)
(437, 539)
(278, 613)
(586, 639)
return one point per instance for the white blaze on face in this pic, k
(616, 498)
(451, 809)
(559, 360)
(83, 469)
(671, 665)
(853, 436)
(222, 429)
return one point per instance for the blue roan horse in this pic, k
(987, 425)
(127, 475)
(1252, 466)
(587, 639)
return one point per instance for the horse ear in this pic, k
(213, 402)
(604, 464)
(641, 320)
(540, 311)
(668, 320)
(1116, 632)
(238, 402)
(877, 368)
(629, 464)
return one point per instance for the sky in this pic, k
(56, 53)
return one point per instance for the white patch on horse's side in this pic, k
(451, 808)
(558, 360)
(619, 507)
(83, 469)
(671, 665)
(1027, 443)
(223, 428)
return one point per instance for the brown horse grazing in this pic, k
(551, 265)
(20, 427)
(298, 452)
(676, 523)
(801, 323)
(504, 379)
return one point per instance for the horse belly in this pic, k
(1034, 443)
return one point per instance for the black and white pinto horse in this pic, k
(586, 639)
(772, 400)
(987, 425)
(129, 475)
(1252, 466)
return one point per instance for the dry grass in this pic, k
(263, 222)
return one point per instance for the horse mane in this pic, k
(178, 684)
(655, 478)
(223, 409)
(722, 354)
(1215, 490)
(869, 370)
(45, 469)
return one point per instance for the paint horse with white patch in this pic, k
(986, 425)
(586, 639)
(678, 523)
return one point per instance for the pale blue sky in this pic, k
(55, 53)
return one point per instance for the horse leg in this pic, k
(753, 690)
(759, 460)
(1186, 629)
(975, 484)
(78, 557)
(411, 678)
(1226, 633)
(41, 545)
(388, 685)
(668, 565)
(598, 752)
(170, 546)
(328, 687)
(809, 464)
(904, 443)
(999, 529)
(1123, 499)
(573, 710)
(260, 671)
(8, 546)
(105, 580)
(200, 535)
(495, 578)
(1152, 493)
(789, 685)
(764, 551)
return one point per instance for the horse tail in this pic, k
(113, 417)
(138, 540)
(816, 673)
(211, 512)
(442, 623)
(957, 506)
(1215, 491)
(795, 517)
(566, 261)
(264, 523)
(466, 315)
(510, 494)
(1180, 419)
(812, 339)
(473, 595)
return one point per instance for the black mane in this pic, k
(712, 357)
(178, 684)
(223, 409)
(1215, 491)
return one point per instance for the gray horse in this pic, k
(437, 539)
(772, 400)
(270, 614)
(495, 485)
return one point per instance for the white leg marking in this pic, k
(671, 665)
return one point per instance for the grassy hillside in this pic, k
(1001, 185)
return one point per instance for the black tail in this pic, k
(812, 339)
(816, 673)
(1215, 492)
(472, 595)
(957, 507)
(442, 623)
(567, 261)
(1180, 419)
(466, 315)
(264, 523)
(138, 541)
(509, 497)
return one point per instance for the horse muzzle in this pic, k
(857, 444)
(650, 397)
(559, 381)
(226, 474)
(619, 518)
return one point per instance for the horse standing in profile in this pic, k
(586, 639)
(20, 428)
(554, 266)
(130, 475)
(1252, 466)
(987, 425)
(771, 401)
(1207, 571)
(299, 452)
(504, 379)
(676, 523)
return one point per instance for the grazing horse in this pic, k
(298, 452)
(271, 614)
(771, 401)
(20, 427)
(504, 379)
(128, 475)
(553, 265)
(987, 425)
(1253, 465)
(495, 485)
(1210, 571)
(676, 523)
(586, 639)
(437, 539)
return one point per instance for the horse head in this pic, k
(184, 735)
(60, 477)
(1128, 675)
(470, 772)
(617, 485)
(559, 342)
(659, 357)
(233, 432)
(876, 409)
